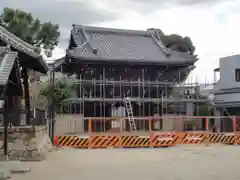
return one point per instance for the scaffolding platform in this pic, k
(154, 100)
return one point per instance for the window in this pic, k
(237, 75)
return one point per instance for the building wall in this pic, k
(226, 98)
(69, 124)
(227, 81)
(227, 72)
(174, 123)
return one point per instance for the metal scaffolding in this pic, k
(99, 90)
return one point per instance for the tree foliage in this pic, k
(174, 41)
(63, 90)
(25, 26)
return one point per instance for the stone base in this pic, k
(24, 142)
(34, 159)
(12, 167)
(4, 171)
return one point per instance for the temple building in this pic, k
(110, 65)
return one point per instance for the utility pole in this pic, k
(52, 103)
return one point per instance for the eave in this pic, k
(91, 60)
(23, 47)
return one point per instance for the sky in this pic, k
(211, 24)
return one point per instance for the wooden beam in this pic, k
(26, 95)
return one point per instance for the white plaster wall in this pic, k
(120, 111)
(66, 124)
(168, 122)
(227, 72)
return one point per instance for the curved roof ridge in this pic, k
(80, 31)
(10, 38)
(160, 44)
(114, 30)
(22, 46)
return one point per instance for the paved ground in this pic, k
(216, 162)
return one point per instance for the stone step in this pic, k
(16, 166)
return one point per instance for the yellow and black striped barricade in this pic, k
(164, 139)
(225, 138)
(73, 141)
(134, 141)
(237, 139)
(192, 137)
(104, 141)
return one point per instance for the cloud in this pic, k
(65, 13)
(149, 6)
(198, 2)
(212, 36)
(211, 24)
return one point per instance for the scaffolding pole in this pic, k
(104, 98)
(120, 89)
(100, 102)
(94, 96)
(113, 92)
(81, 94)
(157, 94)
(149, 95)
(143, 90)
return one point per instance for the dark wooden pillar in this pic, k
(78, 86)
(6, 121)
(26, 95)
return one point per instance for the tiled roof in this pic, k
(57, 63)
(21, 46)
(97, 43)
(7, 59)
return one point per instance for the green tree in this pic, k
(174, 41)
(63, 90)
(30, 29)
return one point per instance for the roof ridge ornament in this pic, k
(37, 50)
(95, 50)
(8, 48)
(82, 39)
(87, 40)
